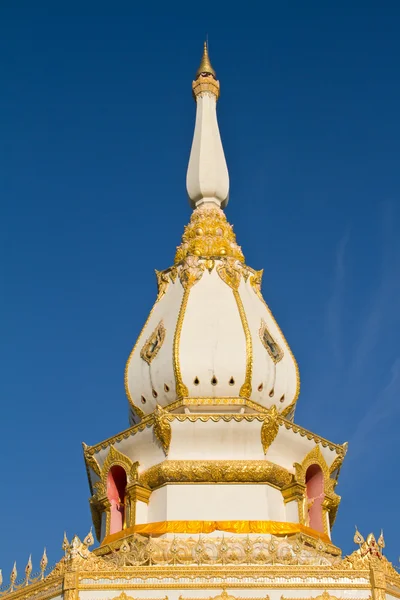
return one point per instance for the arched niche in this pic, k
(116, 492)
(314, 481)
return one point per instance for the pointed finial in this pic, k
(28, 569)
(43, 562)
(65, 544)
(358, 538)
(381, 541)
(89, 540)
(13, 575)
(205, 64)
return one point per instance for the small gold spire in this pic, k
(205, 65)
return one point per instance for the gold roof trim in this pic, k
(148, 421)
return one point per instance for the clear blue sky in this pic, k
(96, 123)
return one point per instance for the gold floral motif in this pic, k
(215, 471)
(162, 428)
(153, 344)
(269, 428)
(208, 235)
(271, 346)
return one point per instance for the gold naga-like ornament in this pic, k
(162, 428)
(269, 428)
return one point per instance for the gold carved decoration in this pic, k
(269, 428)
(215, 471)
(163, 281)
(181, 389)
(90, 459)
(162, 428)
(256, 280)
(114, 457)
(331, 500)
(205, 84)
(245, 390)
(124, 596)
(148, 422)
(230, 273)
(191, 271)
(224, 596)
(324, 596)
(208, 235)
(271, 346)
(314, 457)
(153, 344)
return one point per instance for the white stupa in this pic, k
(213, 492)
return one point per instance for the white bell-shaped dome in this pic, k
(210, 341)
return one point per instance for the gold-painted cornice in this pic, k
(148, 421)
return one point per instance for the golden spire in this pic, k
(205, 65)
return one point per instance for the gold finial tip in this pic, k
(205, 64)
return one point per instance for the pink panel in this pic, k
(116, 484)
(315, 497)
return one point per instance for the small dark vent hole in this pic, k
(260, 387)
(214, 380)
(282, 399)
(272, 392)
(154, 393)
(166, 388)
(231, 381)
(196, 381)
(143, 399)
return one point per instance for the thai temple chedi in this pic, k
(213, 492)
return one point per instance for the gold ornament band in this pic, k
(277, 528)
